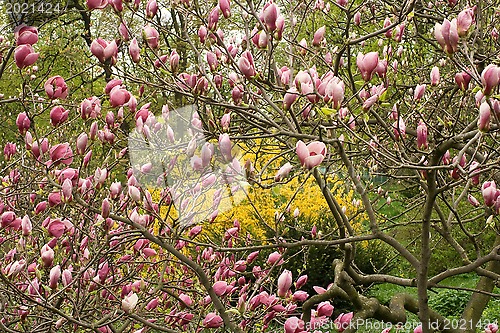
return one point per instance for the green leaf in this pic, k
(276, 190)
(327, 111)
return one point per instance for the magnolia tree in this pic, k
(111, 187)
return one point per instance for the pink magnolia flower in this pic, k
(367, 63)
(274, 258)
(491, 328)
(419, 91)
(220, 287)
(151, 8)
(318, 36)
(311, 155)
(90, 107)
(96, 4)
(290, 97)
(212, 320)
(435, 77)
(134, 51)
(462, 80)
(399, 128)
(9, 150)
(283, 171)
(25, 35)
(119, 96)
(246, 65)
(25, 56)
(483, 123)
(422, 135)
(151, 36)
(23, 122)
(104, 51)
(56, 87)
(489, 191)
(225, 146)
(269, 15)
(61, 153)
(447, 35)
(343, 320)
(284, 283)
(465, 20)
(129, 302)
(325, 309)
(490, 78)
(47, 255)
(294, 325)
(54, 276)
(418, 329)
(300, 296)
(225, 7)
(58, 115)
(301, 281)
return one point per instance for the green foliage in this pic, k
(450, 303)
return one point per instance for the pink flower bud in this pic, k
(422, 135)
(246, 65)
(225, 7)
(300, 296)
(26, 225)
(294, 325)
(226, 121)
(123, 30)
(357, 18)
(489, 192)
(490, 77)
(220, 287)
(56, 87)
(342, 321)
(472, 200)
(283, 171)
(105, 209)
(119, 96)
(367, 64)
(174, 61)
(465, 20)
(25, 56)
(67, 189)
(81, 143)
(435, 77)
(284, 283)
(273, 258)
(290, 97)
(318, 36)
(54, 276)
(61, 153)
(134, 193)
(462, 80)
(419, 91)
(134, 51)
(47, 255)
(23, 122)
(270, 15)
(9, 150)
(202, 34)
(151, 8)
(225, 146)
(151, 36)
(483, 123)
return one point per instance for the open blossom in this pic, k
(104, 51)
(311, 155)
(58, 115)
(129, 302)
